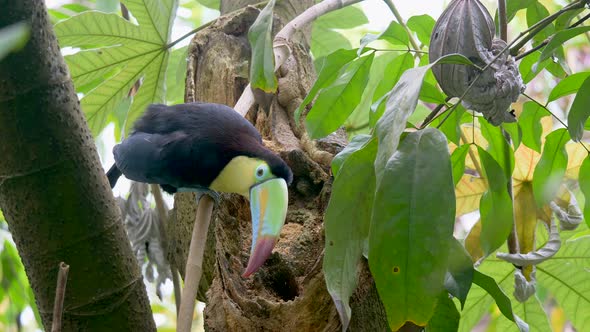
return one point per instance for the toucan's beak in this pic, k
(268, 204)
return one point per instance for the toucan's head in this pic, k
(262, 178)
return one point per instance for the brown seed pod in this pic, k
(467, 28)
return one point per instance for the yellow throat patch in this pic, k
(237, 176)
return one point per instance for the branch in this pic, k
(194, 264)
(60, 291)
(163, 222)
(281, 42)
(529, 33)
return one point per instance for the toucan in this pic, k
(206, 146)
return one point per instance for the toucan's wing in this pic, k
(175, 159)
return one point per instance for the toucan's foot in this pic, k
(202, 191)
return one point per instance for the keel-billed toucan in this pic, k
(202, 146)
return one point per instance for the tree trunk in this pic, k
(288, 293)
(53, 191)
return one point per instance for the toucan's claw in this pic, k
(200, 191)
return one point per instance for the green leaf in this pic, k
(534, 13)
(331, 66)
(422, 25)
(584, 181)
(568, 85)
(458, 162)
(13, 37)
(431, 94)
(579, 112)
(401, 102)
(262, 62)
(126, 53)
(566, 278)
(460, 275)
(530, 122)
(402, 236)
(347, 222)
(213, 4)
(513, 6)
(336, 102)
(515, 132)
(550, 170)
(451, 127)
(502, 301)
(558, 39)
(395, 34)
(357, 142)
(393, 73)
(446, 317)
(324, 40)
(495, 205)
(498, 147)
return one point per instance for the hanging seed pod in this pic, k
(467, 28)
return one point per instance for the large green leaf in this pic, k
(534, 13)
(579, 112)
(347, 221)
(13, 37)
(391, 76)
(495, 205)
(460, 274)
(530, 122)
(395, 34)
(568, 85)
(330, 68)
(121, 54)
(422, 25)
(324, 40)
(409, 245)
(566, 276)
(336, 102)
(502, 301)
(354, 145)
(550, 170)
(446, 317)
(498, 146)
(584, 180)
(401, 102)
(262, 62)
(559, 38)
(458, 162)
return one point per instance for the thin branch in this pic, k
(532, 31)
(60, 291)
(546, 41)
(400, 20)
(193, 31)
(513, 245)
(163, 223)
(502, 20)
(194, 264)
(554, 116)
(281, 42)
(471, 153)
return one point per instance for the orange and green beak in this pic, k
(268, 205)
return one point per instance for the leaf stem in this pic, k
(193, 31)
(400, 50)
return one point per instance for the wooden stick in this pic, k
(60, 291)
(194, 264)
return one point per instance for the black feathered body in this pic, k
(188, 145)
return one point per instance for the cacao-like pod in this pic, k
(467, 28)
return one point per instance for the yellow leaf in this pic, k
(576, 155)
(468, 192)
(525, 215)
(472, 242)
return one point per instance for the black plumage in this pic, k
(188, 145)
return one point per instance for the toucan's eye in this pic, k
(260, 171)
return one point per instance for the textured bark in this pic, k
(288, 293)
(53, 191)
